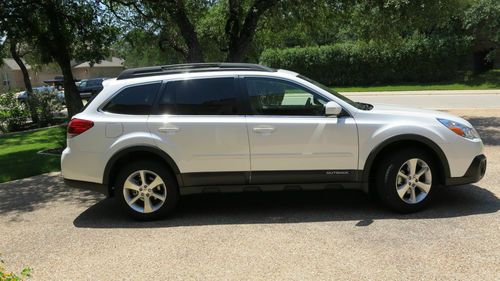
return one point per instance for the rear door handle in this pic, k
(168, 130)
(263, 130)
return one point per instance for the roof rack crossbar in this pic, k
(191, 67)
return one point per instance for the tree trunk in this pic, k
(241, 37)
(71, 96)
(233, 31)
(194, 50)
(26, 78)
(177, 11)
(237, 52)
(59, 49)
(194, 54)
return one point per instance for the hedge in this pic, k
(364, 63)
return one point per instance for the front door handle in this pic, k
(263, 130)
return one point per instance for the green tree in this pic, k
(140, 47)
(62, 31)
(178, 23)
(18, 52)
(482, 22)
(18, 49)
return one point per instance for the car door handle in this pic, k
(169, 130)
(263, 130)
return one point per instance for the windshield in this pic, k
(358, 105)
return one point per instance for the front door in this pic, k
(291, 139)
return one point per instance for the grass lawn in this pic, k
(488, 80)
(18, 153)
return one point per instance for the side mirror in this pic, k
(332, 108)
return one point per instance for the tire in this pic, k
(406, 192)
(141, 200)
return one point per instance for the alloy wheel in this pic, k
(144, 191)
(414, 181)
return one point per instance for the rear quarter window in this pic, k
(133, 100)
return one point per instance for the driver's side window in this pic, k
(279, 97)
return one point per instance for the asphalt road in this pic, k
(71, 234)
(432, 101)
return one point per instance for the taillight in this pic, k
(77, 126)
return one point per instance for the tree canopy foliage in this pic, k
(151, 32)
(60, 31)
(188, 27)
(196, 30)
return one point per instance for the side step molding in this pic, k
(268, 187)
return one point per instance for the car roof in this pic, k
(194, 70)
(190, 68)
(199, 74)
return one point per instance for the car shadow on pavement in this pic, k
(292, 207)
(30, 194)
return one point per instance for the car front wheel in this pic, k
(146, 190)
(405, 180)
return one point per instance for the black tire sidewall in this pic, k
(167, 177)
(386, 179)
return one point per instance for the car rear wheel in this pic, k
(405, 180)
(147, 190)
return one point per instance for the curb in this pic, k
(425, 93)
(45, 152)
(31, 130)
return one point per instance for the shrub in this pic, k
(13, 115)
(47, 106)
(10, 276)
(362, 63)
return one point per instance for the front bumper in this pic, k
(474, 173)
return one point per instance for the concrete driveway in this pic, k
(70, 234)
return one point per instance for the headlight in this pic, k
(460, 129)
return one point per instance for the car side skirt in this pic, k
(211, 182)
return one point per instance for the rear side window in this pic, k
(134, 100)
(214, 96)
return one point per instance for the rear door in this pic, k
(199, 123)
(291, 139)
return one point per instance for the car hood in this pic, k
(397, 110)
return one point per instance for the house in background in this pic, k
(106, 68)
(12, 77)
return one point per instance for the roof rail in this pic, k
(190, 67)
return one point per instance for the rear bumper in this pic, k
(92, 186)
(81, 166)
(474, 173)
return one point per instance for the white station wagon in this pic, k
(156, 133)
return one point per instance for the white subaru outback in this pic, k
(156, 133)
